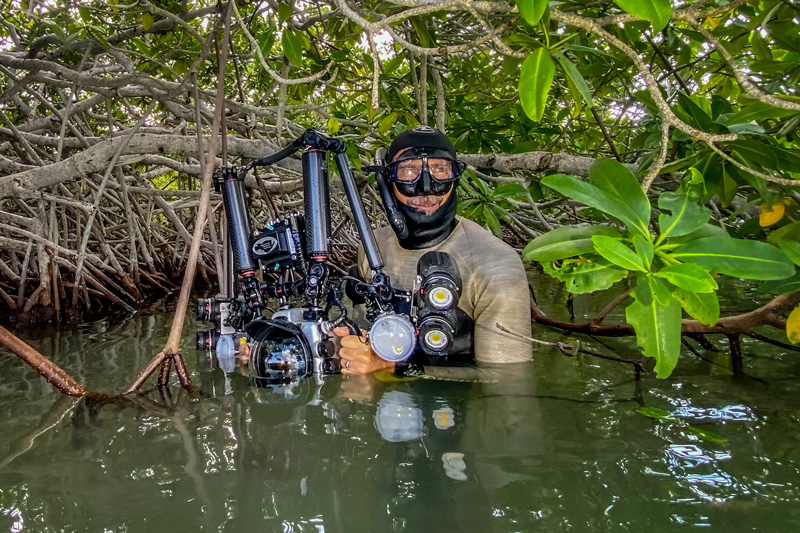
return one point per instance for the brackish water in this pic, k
(560, 447)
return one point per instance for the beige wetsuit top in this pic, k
(494, 286)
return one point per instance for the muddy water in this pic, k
(560, 445)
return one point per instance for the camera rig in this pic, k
(287, 261)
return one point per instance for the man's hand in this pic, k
(357, 356)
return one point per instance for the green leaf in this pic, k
(510, 190)
(531, 10)
(292, 47)
(426, 38)
(644, 249)
(333, 126)
(535, 80)
(688, 276)
(703, 307)
(686, 215)
(654, 412)
(707, 436)
(694, 114)
(658, 291)
(781, 286)
(581, 277)
(707, 230)
(574, 75)
(596, 197)
(789, 231)
(758, 111)
(616, 252)
(615, 178)
(754, 154)
(656, 12)
(387, 122)
(492, 221)
(285, 12)
(565, 242)
(792, 250)
(658, 332)
(736, 257)
(266, 41)
(147, 20)
(86, 15)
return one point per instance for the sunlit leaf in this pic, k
(531, 10)
(653, 412)
(615, 178)
(737, 257)
(333, 126)
(147, 20)
(292, 47)
(656, 12)
(658, 332)
(535, 80)
(561, 243)
(593, 196)
(644, 249)
(791, 249)
(703, 307)
(688, 276)
(581, 277)
(707, 436)
(285, 12)
(616, 252)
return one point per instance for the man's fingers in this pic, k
(341, 331)
(351, 341)
(355, 354)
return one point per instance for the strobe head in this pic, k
(436, 334)
(440, 285)
(207, 309)
(393, 337)
(279, 352)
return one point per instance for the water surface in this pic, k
(558, 446)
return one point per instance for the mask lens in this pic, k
(407, 171)
(441, 169)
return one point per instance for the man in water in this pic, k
(422, 176)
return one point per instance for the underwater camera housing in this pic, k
(287, 261)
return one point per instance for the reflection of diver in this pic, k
(433, 474)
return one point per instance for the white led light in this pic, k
(392, 337)
(435, 339)
(440, 298)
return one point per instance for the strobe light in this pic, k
(440, 289)
(393, 337)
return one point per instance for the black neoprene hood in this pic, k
(421, 137)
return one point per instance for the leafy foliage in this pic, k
(670, 274)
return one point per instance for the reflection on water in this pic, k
(558, 447)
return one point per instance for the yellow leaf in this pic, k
(793, 326)
(770, 216)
